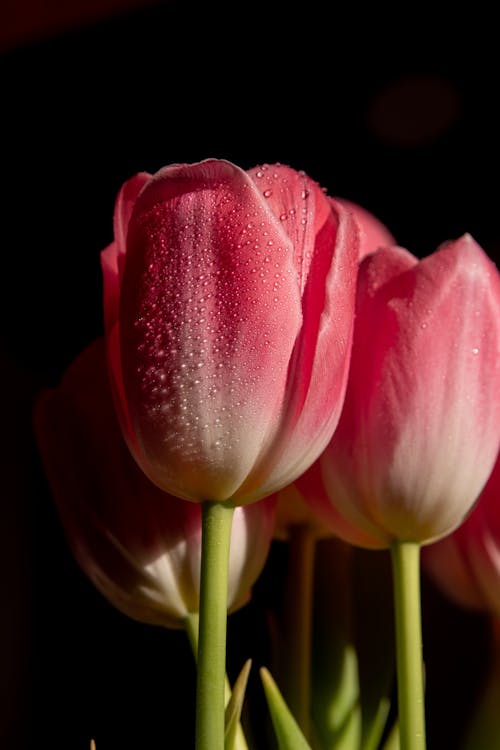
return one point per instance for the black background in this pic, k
(394, 110)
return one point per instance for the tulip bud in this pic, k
(139, 546)
(225, 292)
(466, 564)
(420, 428)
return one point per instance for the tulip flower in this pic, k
(466, 564)
(420, 428)
(225, 292)
(138, 545)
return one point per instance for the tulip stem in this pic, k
(191, 624)
(299, 617)
(406, 576)
(216, 534)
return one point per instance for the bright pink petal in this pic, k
(300, 206)
(210, 314)
(320, 361)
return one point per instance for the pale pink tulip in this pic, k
(138, 545)
(466, 564)
(420, 428)
(229, 301)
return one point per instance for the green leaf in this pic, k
(392, 742)
(286, 728)
(234, 737)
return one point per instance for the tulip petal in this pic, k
(446, 564)
(209, 317)
(112, 258)
(373, 233)
(320, 361)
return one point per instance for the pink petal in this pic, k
(210, 313)
(313, 491)
(112, 258)
(319, 365)
(373, 233)
(124, 206)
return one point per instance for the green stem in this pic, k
(406, 576)
(299, 621)
(191, 624)
(216, 535)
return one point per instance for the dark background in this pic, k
(394, 110)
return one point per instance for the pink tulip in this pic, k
(229, 301)
(420, 428)
(138, 545)
(466, 564)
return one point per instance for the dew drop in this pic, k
(267, 193)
